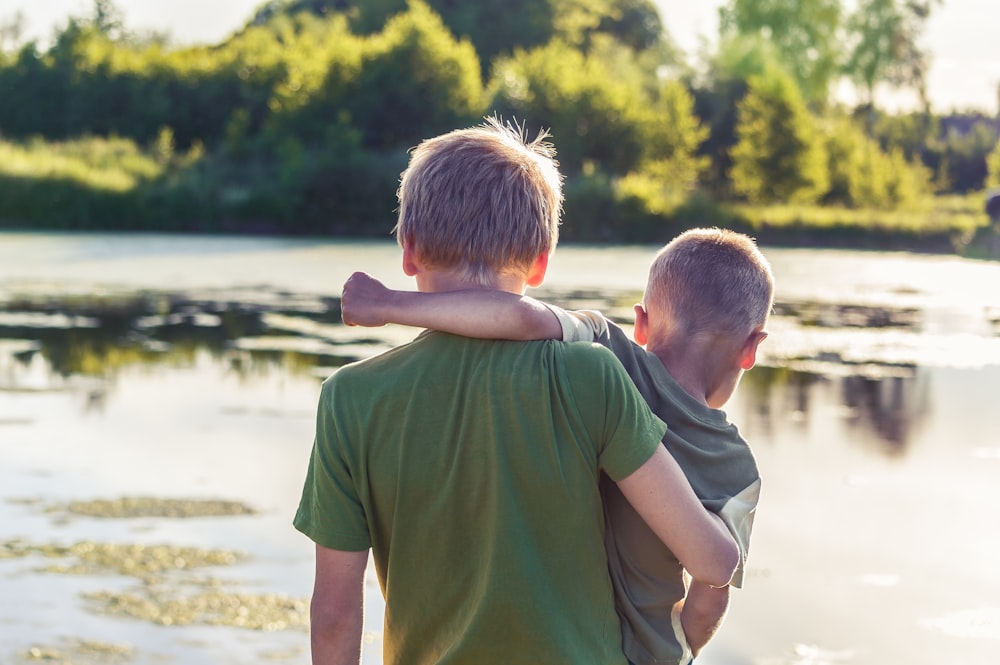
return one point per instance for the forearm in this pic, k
(661, 494)
(482, 313)
(702, 613)
(336, 613)
(336, 640)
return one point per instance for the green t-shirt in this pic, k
(471, 469)
(717, 461)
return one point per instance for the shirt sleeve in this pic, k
(330, 511)
(738, 514)
(583, 325)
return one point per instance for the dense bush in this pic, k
(779, 155)
(301, 121)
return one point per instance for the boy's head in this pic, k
(482, 201)
(710, 281)
(709, 295)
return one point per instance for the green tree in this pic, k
(959, 153)
(416, 80)
(993, 166)
(108, 19)
(673, 135)
(499, 27)
(882, 37)
(863, 175)
(634, 23)
(11, 32)
(806, 34)
(779, 155)
(593, 117)
(737, 59)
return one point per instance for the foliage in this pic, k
(959, 153)
(883, 45)
(300, 122)
(779, 155)
(671, 166)
(415, 81)
(805, 35)
(993, 166)
(498, 28)
(737, 59)
(592, 116)
(862, 175)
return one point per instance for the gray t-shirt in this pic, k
(648, 579)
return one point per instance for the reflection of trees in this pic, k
(98, 336)
(888, 406)
(776, 394)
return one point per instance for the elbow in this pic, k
(717, 570)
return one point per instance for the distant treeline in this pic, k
(301, 121)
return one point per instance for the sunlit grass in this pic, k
(109, 164)
(952, 213)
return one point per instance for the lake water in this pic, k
(147, 379)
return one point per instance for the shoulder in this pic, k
(591, 364)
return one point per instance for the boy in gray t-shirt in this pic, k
(707, 300)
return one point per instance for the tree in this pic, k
(864, 175)
(11, 32)
(635, 23)
(498, 27)
(805, 33)
(416, 80)
(779, 155)
(993, 165)
(673, 136)
(594, 117)
(883, 48)
(737, 59)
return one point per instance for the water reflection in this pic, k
(97, 336)
(79, 339)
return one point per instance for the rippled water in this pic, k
(181, 367)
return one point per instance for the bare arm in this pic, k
(702, 612)
(337, 609)
(662, 496)
(482, 313)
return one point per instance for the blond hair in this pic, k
(711, 280)
(483, 200)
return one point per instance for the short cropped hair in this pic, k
(484, 200)
(712, 280)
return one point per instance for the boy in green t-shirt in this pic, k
(707, 300)
(470, 468)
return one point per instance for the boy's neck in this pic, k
(436, 280)
(697, 364)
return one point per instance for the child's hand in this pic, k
(362, 299)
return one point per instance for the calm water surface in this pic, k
(181, 368)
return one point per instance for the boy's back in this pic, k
(521, 433)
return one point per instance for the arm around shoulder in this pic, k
(662, 496)
(480, 313)
(337, 609)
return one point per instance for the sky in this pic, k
(960, 35)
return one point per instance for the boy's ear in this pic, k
(748, 354)
(536, 275)
(641, 333)
(411, 265)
